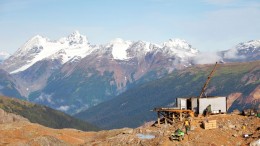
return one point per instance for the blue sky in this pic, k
(208, 25)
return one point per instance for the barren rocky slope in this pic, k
(229, 132)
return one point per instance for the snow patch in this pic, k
(119, 47)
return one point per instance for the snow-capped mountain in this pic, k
(123, 50)
(246, 51)
(40, 48)
(3, 55)
(76, 46)
(179, 48)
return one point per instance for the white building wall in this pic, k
(182, 103)
(217, 104)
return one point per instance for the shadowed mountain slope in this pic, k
(43, 115)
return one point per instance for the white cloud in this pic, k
(63, 108)
(232, 54)
(207, 58)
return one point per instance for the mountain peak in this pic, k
(34, 42)
(179, 44)
(37, 39)
(76, 38)
(76, 32)
(176, 43)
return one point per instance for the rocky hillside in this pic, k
(229, 131)
(238, 81)
(41, 115)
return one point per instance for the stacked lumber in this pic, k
(212, 124)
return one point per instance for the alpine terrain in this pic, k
(71, 75)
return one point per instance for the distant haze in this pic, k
(209, 25)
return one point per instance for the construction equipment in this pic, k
(177, 135)
(205, 85)
(207, 82)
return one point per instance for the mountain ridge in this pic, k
(76, 45)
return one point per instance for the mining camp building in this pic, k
(198, 105)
